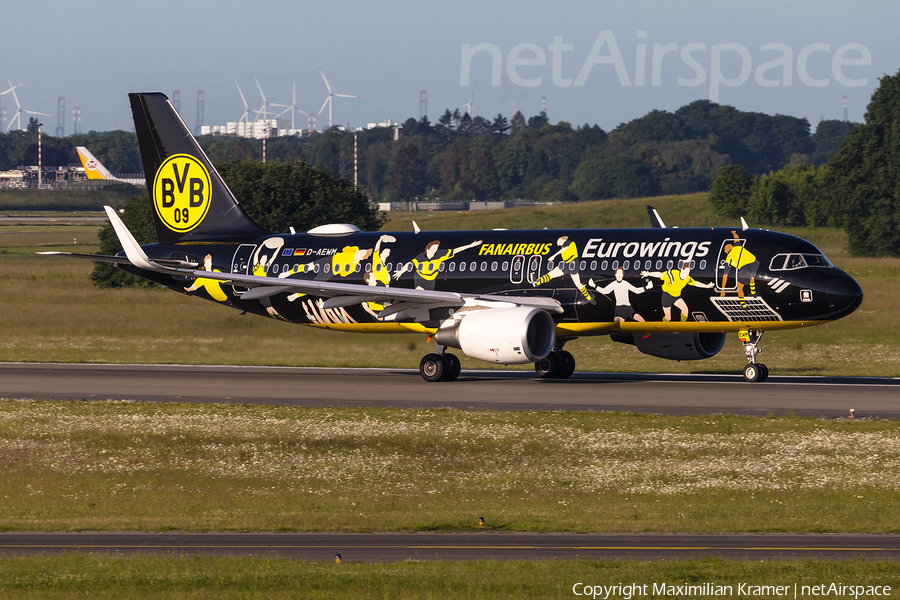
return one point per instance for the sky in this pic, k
(599, 62)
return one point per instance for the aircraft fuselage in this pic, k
(759, 279)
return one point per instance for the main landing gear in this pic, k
(559, 364)
(440, 366)
(754, 371)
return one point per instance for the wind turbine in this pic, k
(245, 118)
(10, 89)
(264, 109)
(331, 95)
(3, 110)
(292, 107)
(19, 109)
(471, 103)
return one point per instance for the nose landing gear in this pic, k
(754, 371)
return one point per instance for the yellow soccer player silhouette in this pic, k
(427, 265)
(745, 266)
(379, 256)
(212, 286)
(568, 254)
(674, 283)
(345, 262)
(373, 308)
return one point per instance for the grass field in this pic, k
(71, 199)
(53, 313)
(145, 466)
(199, 578)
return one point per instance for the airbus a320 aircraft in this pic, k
(509, 297)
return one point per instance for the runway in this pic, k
(394, 547)
(487, 389)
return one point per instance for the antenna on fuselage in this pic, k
(744, 226)
(416, 227)
(655, 219)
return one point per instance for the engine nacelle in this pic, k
(676, 346)
(503, 335)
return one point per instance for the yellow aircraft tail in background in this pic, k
(95, 170)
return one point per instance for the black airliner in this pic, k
(508, 297)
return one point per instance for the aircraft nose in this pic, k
(843, 294)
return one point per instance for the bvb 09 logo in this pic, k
(181, 192)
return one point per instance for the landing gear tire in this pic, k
(433, 367)
(764, 372)
(754, 372)
(454, 367)
(549, 366)
(566, 365)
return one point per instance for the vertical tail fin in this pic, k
(93, 168)
(190, 199)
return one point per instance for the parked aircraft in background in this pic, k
(94, 169)
(508, 297)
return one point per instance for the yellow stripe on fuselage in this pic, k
(596, 328)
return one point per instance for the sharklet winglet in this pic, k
(132, 249)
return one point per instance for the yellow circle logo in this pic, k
(181, 192)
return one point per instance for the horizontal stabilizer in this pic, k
(119, 260)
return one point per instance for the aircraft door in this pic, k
(517, 269)
(241, 263)
(534, 268)
(724, 265)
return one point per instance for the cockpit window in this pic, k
(788, 262)
(816, 260)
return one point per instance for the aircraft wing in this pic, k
(346, 294)
(338, 294)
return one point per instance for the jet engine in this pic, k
(503, 335)
(675, 346)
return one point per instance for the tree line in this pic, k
(857, 188)
(464, 157)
